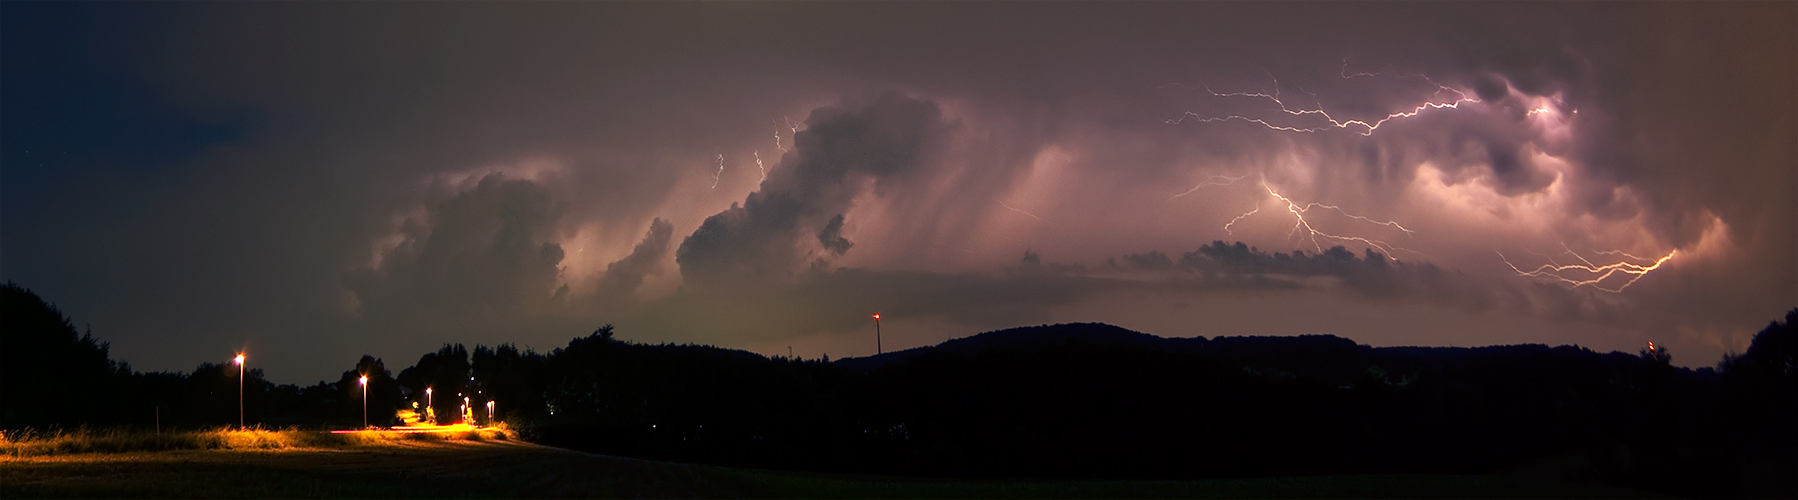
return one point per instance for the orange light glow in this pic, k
(240, 358)
(411, 429)
(877, 316)
(365, 380)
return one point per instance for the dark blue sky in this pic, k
(76, 99)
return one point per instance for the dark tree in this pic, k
(50, 374)
(383, 396)
(441, 379)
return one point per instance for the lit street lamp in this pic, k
(240, 391)
(365, 401)
(877, 349)
(430, 414)
(489, 412)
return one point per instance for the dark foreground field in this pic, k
(512, 469)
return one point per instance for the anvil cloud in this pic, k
(313, 182)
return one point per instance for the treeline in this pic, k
(54, 376)
(1071, 401)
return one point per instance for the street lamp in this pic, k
(489, 412)
(877, 349)
(429, 413)
(240, 391)
(365, 401)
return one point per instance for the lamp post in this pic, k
(239, 392)
(429, 413)
(365, 401)
(490, 412)
(877, 349)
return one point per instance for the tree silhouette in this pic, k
(50, 374)
(383, 394)
(446, 374)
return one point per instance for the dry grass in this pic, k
(30, 443)
(403, 467)
(493, 463)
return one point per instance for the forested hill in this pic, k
(1093, 400)
(1318, 358)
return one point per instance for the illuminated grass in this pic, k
(59, 442)
(411, 466)
(493, 463)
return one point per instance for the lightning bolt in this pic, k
(758, 164)
(1587, 273)
(1299, 211)
(1213, 181)
(1298, 214)
(783, 149)
(1367, 128)
(1015, 209)
(720, 174)
(1241, 217)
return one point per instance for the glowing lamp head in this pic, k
(365, 380)
(1651, 346)
(877, 316)
(240, 358)
(427, 390)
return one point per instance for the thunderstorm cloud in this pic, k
(319, 181)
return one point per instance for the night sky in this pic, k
(311, 182)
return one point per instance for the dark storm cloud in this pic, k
(878, 138)
(623, 276)
(483, 255)
(1372, 274)
(832, 236)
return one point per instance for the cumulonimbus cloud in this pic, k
(840, 152)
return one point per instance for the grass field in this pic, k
(291, 464)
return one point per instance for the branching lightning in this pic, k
(720, 174)
(1213, 181)
(1299, 211)
(1607, 270)
(1298, 214)
(1366, 128)
(1587, 273)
